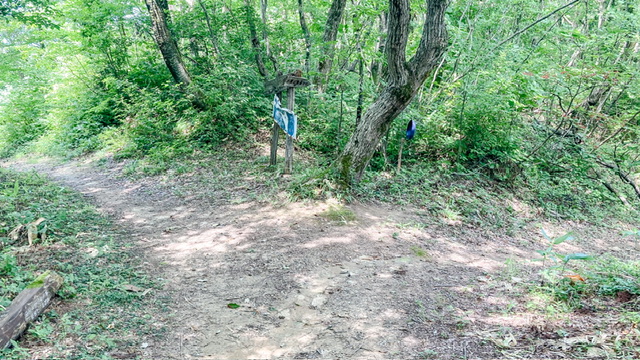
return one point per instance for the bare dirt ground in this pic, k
(380, 287)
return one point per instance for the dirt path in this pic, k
(374, 288)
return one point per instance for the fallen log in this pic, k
(27, 306)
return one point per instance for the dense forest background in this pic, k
(534, 98)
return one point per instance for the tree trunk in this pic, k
(158, 10)
(307, 37)
(404, 80)
(376, 66)
(255, 42)
(330, 34)
(212, 34)
(170, 53)
(265, 36)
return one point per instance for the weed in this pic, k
(418, 251)
(7, 265)
(451, 214)
(428, 354)
(604, 277)
(421, 311)
(462, 324)
(41, 330)
(560, 261)
(339, 213)
(630, 317)
(635, 233)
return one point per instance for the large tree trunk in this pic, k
(158, 10)
(170, 53)
(404, 80)
(330, 34)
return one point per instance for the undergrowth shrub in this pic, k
(21, 115)
(606, 276)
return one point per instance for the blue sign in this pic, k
(285, 118)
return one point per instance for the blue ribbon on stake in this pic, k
(411, 129)
(411, 132)
(286, 119)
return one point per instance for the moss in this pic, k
(39, 281)
(345, 170)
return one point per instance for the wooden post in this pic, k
(288, 156)
(275, 132)
(274, 144)
(288, 152)
(400, 154)
(27, 306)
(277, 86)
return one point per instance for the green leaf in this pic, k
(563, 238)
(233, 306)
(577, 256)
(16, 189)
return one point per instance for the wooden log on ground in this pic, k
(27, 306)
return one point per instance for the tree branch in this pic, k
(534, 24)
(399, 15)
(516, 34)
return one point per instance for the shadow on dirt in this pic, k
(307, 287)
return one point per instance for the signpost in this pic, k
(276, 86)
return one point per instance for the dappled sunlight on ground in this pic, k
(390, 284)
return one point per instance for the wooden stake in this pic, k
(288, 153)
(274, 143)
(400, 154)
(27, 306)
(275, 132)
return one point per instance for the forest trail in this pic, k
(378, 287)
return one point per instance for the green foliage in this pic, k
(603, 277)
(20, 116)
(92, 285)
(7, 265)
(519, 117)
(339, 213)
(559, 260)
(30, 12)
(26, 205)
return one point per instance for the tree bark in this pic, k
(170, 53)
(158, 10)
(330, 34)
(404, 80)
